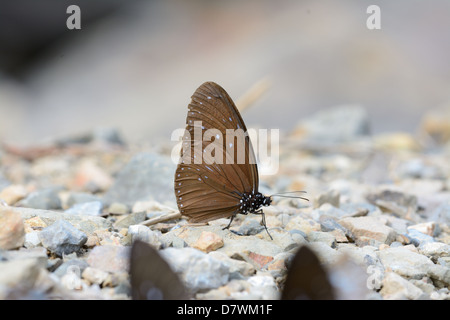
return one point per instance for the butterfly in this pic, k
(217, 176)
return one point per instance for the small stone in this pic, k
(46, 199)
(396, 141)
(62, 238)
(191, 264)
(109, 258)
(418, 238)
(91, 177)
(119, 208)
(32, 240)
(325, 253)
(435, 250)
(332, 197)
(20, 273)
(13, 193)
(405, 262)
(259, 260)
(236, 266)
(34, 224)
(146, 176)
(95, 276)
(339, 235)
(12, 232)
(329, 210)
(80, 197)
(92, 208)
(72, 265)
(369, 228)
(208, 241)
(339, 124)
(325, 237)
(439, 274)
(87, 224)
(250, 227)
(305, 225)
(145, 234)
(428, 228)
(396, 287)
(130, 219)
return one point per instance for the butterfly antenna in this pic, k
(285, 195)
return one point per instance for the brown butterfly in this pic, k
(207, 189)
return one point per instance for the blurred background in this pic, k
(135, 64)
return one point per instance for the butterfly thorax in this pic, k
(251, 202)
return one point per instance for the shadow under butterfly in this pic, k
(217, 176)
(152, 278)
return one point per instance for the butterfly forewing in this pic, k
(151, 277)
(306, 278)
(209, 180)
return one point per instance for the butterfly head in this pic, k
(267, 200)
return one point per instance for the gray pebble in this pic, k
(418, 238)
(91, 208)
(62, 238)
(46, 199)
(191, 265)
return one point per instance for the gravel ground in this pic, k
(378, 216)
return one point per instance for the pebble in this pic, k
(238, 268)
(91, 208)
(369, 227)
(435, 250)
(130, 219)
(13, 193)
(339, 124)
(405, 262)
(191, 264)
(325, 237)
(80, 197)
(332, 197)
(46, 199)
(23, 272)
(34, 224)
(12, 231)
(418, 238)
(95, 276)
(86, 224)
(119, 208)
(109, 258)
(144, 234)
(146, 176)
(429, 228)
(62, 238)
(396, 287)
(305, 225)
(32, 240)
(208, 241)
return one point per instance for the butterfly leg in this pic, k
(263, 220)
(229, 224)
